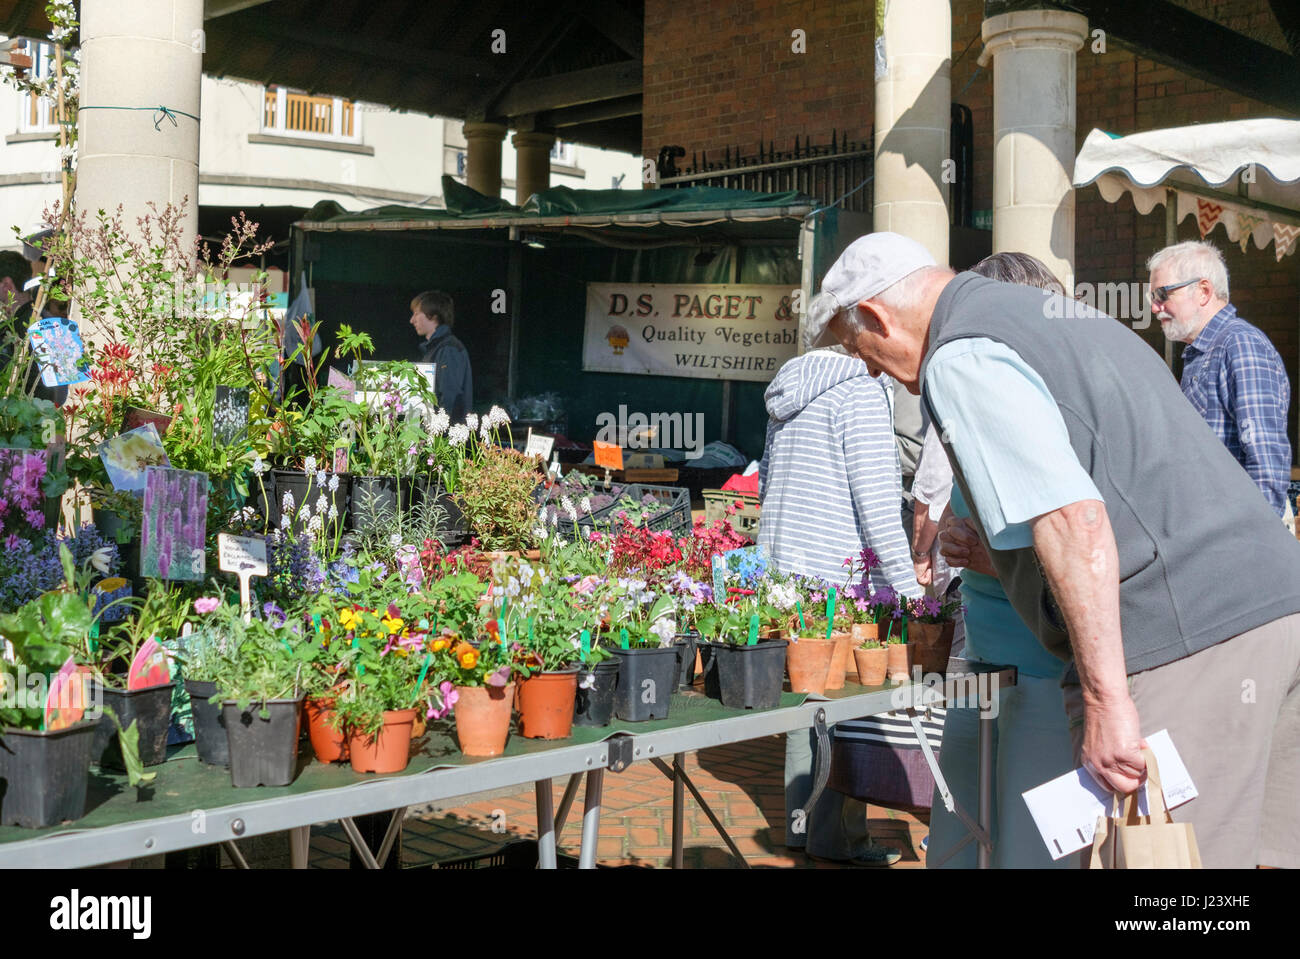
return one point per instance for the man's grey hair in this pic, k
(1194, 259)
(906, 293)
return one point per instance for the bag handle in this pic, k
(1155, 797)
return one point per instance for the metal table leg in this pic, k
(299, 847)
(545, 825)
(566, 804)
(591, 819)
(679, 803)
(984, 854)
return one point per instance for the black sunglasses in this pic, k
(1161, 293)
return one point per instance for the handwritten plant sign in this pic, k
(245, 556)
(174, 529)
(230, 416)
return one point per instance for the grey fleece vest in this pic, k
(1202, 556)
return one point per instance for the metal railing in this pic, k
(826, 173)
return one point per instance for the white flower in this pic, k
(395, 540)
(540, 532)
(322, 505)
(284, 521)
(588, 681)
(471, 420)
(560, 541)
(320, 477)
(784, 596)
(315, 525)
(566, 504)
(498, 417)
(585, 503)
(333, 513)
(259, 466)
(439, 422)
(309, 465)
(99, 559)
(458, 435)
(334, 484)
(665, 629)
(485, 434)
(286, 502)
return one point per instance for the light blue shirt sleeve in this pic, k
(1008, 436)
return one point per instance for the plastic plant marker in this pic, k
(65, 703)
(798, 606)
(719, 583)
(424, 668)
(93, 643)
(585, 642)
(530, 630)
(622, 638)
(361, 667)
(149, 668)
(315, 622)
(830, 611)
(245, 556)
(753, 630)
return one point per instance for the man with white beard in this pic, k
(1232, 374)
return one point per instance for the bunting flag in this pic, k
(1207, 215)
(1246, 223)
(1284, 237)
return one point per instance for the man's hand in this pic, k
(960, 545)
(1113, 743)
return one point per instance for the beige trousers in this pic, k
(1233, 712)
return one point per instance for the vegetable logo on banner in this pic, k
(700, 330)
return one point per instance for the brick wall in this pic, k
(719, 75)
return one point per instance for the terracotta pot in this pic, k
(389, 750)
(861, 632)
(872, 665)
(329, 744)
(899, 661)
(420, 726)
(483, 718)
(839, 660)
(808, 662)
(546, 704)
(931, 643)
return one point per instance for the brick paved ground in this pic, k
(743, 783)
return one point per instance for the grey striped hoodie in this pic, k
(829, 479)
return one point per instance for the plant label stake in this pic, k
(830, 611)
(622, 638)
(585, 642)
(753, 630)
(149, 668)
(538, 445)
(245, 556)
(719, 582)
(424, 668)
(798, 608)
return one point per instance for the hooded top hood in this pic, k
(804, 378)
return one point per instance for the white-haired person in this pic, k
(1232, 373)
(1123, 532)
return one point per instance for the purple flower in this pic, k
(273, 613)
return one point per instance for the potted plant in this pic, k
(260, 693)
(692, 597)
(138, 691)
(495, 490)
(548, 626)
(201, 654)
(390, 427)
(477, 685)
(930, 626)
(378, 703)
(747, 665)
(643, 629)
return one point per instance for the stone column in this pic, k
(532, 163)
(1033, 54)
(483, 156)
(140, 53)
(913, 121)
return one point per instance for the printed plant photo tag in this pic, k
(230, 416)
(127, 456)
(56, 341)
(174, 530)
(136, 418)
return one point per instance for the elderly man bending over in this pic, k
(1174, 603)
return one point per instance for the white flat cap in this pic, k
(869, 265)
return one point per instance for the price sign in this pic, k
(539, 445)
(608, 455)
(245, 556)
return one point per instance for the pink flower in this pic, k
(449, 697)
(206, 604)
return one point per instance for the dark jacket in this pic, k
(453, 381)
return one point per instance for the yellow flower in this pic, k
(348, 618)
(440, 644)
(394, 624)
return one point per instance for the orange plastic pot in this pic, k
(483, 718)
(808, 661)
(545, 704)
(899, 661)
(387, 751)
(329, 743)
(839, 660)
(872, 665)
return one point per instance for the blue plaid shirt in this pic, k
(1235, 378)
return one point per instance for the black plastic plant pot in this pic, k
(374, 502)
(594, 706)
(685, 646)
(209, 725)
(709, 667)
(306, 491)
(150, 709)
(749, 677)
(646, 680)
(263, 751)
(43, 775)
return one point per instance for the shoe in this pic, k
(873, 856)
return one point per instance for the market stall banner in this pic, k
(704, 330)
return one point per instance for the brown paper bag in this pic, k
(1144, 842)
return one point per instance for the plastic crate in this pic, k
(676, 517)
(519, 854)
(586, 522)
(746, 518)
